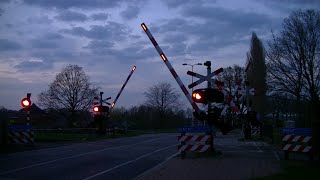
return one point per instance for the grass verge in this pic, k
(296, 170)
(45, 140)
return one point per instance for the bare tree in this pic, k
(231, 76)
(257, 74)
(162, 97)
(71, 91)
(293, 57)
(294, 63)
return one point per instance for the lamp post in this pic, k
(186, 64)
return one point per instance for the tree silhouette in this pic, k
(163, 98)
(70, 91)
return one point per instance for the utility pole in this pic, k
(208, 64)
(213, 132)
(101, 101)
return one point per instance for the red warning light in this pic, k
(134, 68)
(25, 102)
(96, 109)
(197, 96)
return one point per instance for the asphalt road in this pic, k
(237, 160)
(123, 158)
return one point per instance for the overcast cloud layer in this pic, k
(40, 37)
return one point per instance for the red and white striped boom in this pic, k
(173, 72)
(125, 83)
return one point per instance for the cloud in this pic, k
(43, 19)
(82, 4)
(100, 16)
(9, 45)
(71, 16)
(112, 30)
(53, 36)
(5, 1)
(180, 3)
(288, 6)
(233, 17)
(43, 44)
(98, 44)
(130, 12)
(33, 65)
(206, 29)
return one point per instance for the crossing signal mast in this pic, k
(101, 112)
(26, 102)
(98, 106)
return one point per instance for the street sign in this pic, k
(194, 129)
(205, 78)
(19, 127)
(297, 131)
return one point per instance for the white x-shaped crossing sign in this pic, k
(205, 78)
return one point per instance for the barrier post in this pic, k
(297, 140)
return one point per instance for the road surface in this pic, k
(239, 160)
(123, 158)
(137, 157)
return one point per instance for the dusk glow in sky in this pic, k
(40, 37)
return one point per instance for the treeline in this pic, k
(146, 117)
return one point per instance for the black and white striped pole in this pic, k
(26, 103)
(173, 72)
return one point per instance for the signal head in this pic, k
(96, 109)
(199, 96)
(100, 109)
(25, 102)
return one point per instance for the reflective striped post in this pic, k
(173, 72)
(28, 110)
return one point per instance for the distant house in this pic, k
(34, 109)
(36, 115)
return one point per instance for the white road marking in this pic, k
(158, 165)
(69, 147)
(259, 149)
(276, 155)
(128, 162)
(69, 157)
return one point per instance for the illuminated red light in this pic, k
(96, 109)
(25, 102)
(197, 96)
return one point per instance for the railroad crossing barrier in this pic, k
(255, 131)
(21, 134)
(195, 142)
(297, 140)
(110, 131)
